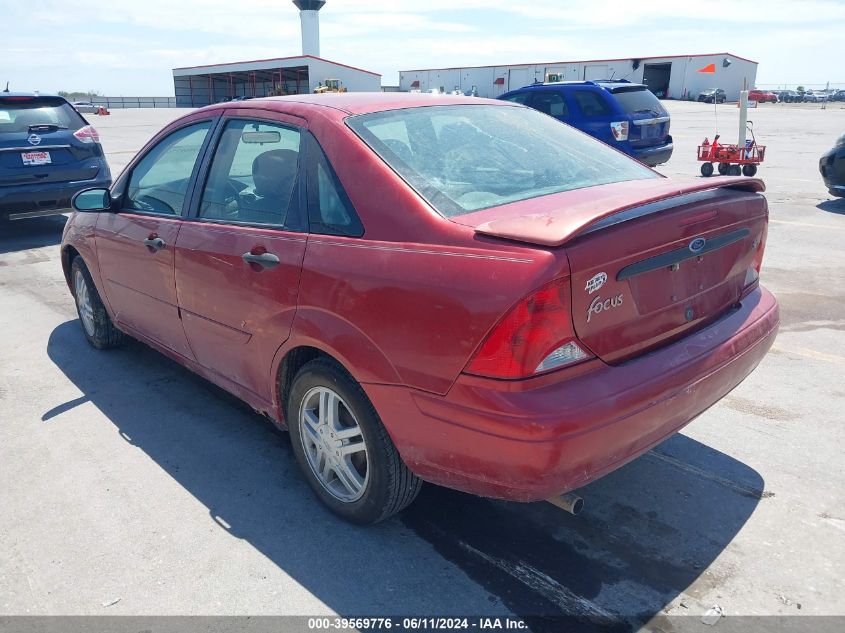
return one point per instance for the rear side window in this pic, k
(329, 209)
(591, 103)
(17, 114)
(641, 100)
(253, 175)
(551, 103)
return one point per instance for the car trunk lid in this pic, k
(649, 260)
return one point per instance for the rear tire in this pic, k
(734, 170)
(723, 169)
(343, 448)
(749, 170)
(706, 169)
(97, 326)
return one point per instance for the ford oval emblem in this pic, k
(697, 245)
(34, 139)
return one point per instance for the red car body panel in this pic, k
(405, 307)
(235, 315)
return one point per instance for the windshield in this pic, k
(462, 158)
(638, 99)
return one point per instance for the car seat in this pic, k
(273, 174)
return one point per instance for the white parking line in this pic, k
(815, 226)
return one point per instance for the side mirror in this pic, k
(92, 200)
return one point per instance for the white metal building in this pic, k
(198, 86)
(673, 77)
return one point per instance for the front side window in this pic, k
(253, 175)
(462, 158)
(520, 98)
(159, 182)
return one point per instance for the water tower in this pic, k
(310, 19)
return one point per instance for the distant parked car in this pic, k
(624, 115)
(85, 107)
(570, 308)
(789, 96)
(711, 95)
(815, 96)
(762, 96)
(48, 152)
(839, 95)
(832, 168)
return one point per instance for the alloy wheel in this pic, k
(83, 302)
(333, 443)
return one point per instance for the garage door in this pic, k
(595, 72)
(517, 78)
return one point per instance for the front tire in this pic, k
(749, 170)
(706, 169)
(97, 326)
(343, 448)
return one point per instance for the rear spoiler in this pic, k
(565, 216)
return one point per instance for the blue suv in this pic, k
(48, 152)
(624, 115)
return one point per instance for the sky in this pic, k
(128, 48)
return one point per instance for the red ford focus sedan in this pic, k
(418, 287)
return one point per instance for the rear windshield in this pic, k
(17, 114)
(462, 158)
(636, 100)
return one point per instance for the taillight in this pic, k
(87, 134)
(619, 130)
(536, 336)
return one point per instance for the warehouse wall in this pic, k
(684, 80)
(354, 80)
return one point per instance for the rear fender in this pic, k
(341, 340)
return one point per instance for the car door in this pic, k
(239, 254)
(135, 245)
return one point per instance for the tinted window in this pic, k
(550, 102)
(639, 100)
(159, 182)
(486, 155)
(519, 97)
(329, 209)
(253, 174)
(18, 113)
(591, 103)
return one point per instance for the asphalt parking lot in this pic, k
(130, 486)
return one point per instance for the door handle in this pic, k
(265, 260)
(155, 243)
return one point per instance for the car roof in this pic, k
(364, 102)
(28, 94)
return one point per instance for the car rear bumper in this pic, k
(656, 155)
(37, 199)
(534, 439)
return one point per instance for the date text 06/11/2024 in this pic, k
(416, 624)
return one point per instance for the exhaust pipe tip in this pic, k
(569, 502)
